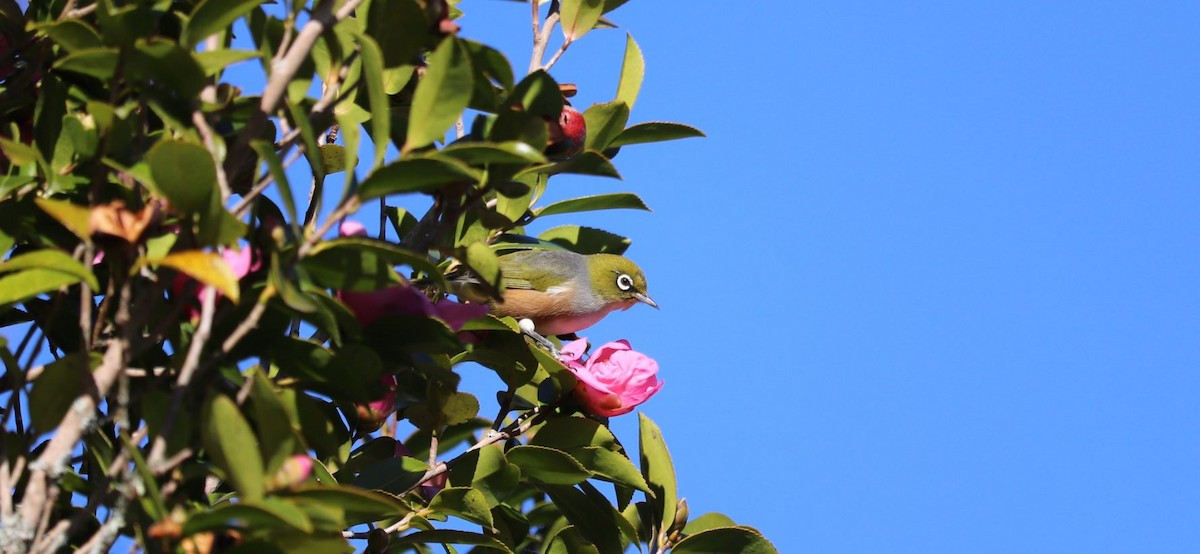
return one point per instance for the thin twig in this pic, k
(190, 363)
(542, 40)
(206, 133)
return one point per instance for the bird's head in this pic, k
(617, 280)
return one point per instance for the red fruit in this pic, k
(565, 137)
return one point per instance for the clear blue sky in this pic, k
(932, 282)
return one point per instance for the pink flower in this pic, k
(614, 379)
(403, 299)
(294, 471)
(372, 414)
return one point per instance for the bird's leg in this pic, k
(526, 326)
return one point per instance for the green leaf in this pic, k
(52, 260)
(611, 466)
(613, 201)
(460, 408)
(230, 443)
(579, 17)
(594, 518)
(416, 175)
(217, 60)
(100, 63)
(60, 384)
(708, 521)
(654, 131)
(381, 120)
(604, 122)
(658, 470)
(586, 240)
(212, 16)
(589, 162)
(446, 536)
(547, 466)
(441, 96)
(633, 69)
(394, 475)
(276, 439)
(567, 433)
(261, 515)
(207, 267)
(333, 158)
(480, 153)
(463, 502)
(730, 540)
(72, 216)
(487, 471)
(72, 34)
(484, 261)
(537, 94)
(360, 506)
(363, 264)
(184, 173)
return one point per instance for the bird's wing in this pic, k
(537, 269)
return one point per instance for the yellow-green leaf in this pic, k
(72, 216)
(53, 260)
(633, 69)
(206, 267)
(579, 17)
(442, 94)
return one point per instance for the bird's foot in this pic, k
(526, 326)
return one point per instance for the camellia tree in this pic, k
(198, 359)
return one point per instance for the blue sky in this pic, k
(930, 284)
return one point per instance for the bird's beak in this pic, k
(642, 297)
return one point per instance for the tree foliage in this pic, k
(184, 366)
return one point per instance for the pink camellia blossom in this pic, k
(372, 414)
(294, 471)
(614, 379)
(403, 299)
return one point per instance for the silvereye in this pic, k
(563, 292)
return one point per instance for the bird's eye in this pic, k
(565, 119)
(624, 282)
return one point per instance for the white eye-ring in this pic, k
(624, 282)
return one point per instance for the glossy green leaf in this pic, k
(276, 440)
(537, 94)
(727, 540)
(359, 505)
(217, 60)
(363, 264)
(612, 201)
(586, 240)
(230, 443)
(184, 173)
(633, 70)
(416, 175)
(566, 433)
(595, 519)
(569, 540)
(655, 131)
(547, 466)
(100, 63)
(579, 17)
(604, 123)
(658, 470)
(381, 121)
(442, 94)
(447, 536)
(261, 515)
(487, 471)
(60, 384)
(485, 263)
(400, 28)
(589, 162)
(207, 267)
(479, 153)
(396, 475)
(51, 260)
(610, 466)
(708, 521)
(72, 34)
(464, 502)
(212, 16)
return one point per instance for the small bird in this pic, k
(562, 292)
